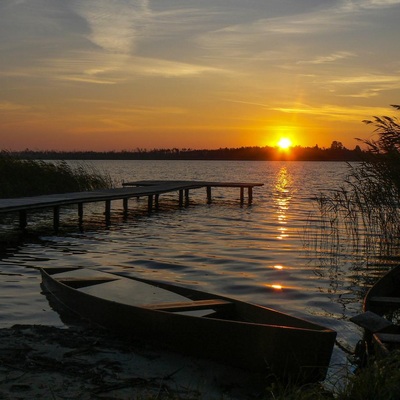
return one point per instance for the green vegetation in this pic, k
(20, 177)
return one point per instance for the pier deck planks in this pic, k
(129, 190)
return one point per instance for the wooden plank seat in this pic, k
(385, 301)
(77, 283)
(189, 305)
(371, 321)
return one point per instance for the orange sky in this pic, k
(127, 74)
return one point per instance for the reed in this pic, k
(20, 178)
(367, 206)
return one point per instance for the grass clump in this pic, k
(20, 178)
(379, 381)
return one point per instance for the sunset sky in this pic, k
(127, 74)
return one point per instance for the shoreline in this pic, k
(38, 361)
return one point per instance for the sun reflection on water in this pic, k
(274, 287)
(282, 197)
(277, 287)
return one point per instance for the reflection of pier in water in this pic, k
(150, 189)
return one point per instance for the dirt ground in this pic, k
(43, 362)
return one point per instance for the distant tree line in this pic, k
(337, 152)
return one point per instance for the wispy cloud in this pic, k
(368, 79)
(334, 112)
(340, 55)
(114, 24)
(367, 86)
(9, 106)
(368, 4)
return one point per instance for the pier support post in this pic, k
(80, 214)
(180, 198)
(241, 195)
(150, 203)
(125, 206)
(23, 219)
(209, 195)
(56, 218)
(186, 197)
(156, 204)
(250, 194)
(107, 212)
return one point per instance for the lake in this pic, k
(268, 252)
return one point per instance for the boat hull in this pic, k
(383, 299)
(242, 335)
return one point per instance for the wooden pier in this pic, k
(150, 189)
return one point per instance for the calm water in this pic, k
(264, 253)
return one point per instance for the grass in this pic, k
(379, 381)
(21, 178)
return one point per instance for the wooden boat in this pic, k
(381, 317)
(196, 323)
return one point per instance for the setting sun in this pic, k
(284, 143)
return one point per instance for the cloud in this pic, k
(8, 106)
(368, 79)
(157, 67)
(329, 58)
(367, 4)
(367, 86)
(333, 112)
(114, 24)
(97, 68)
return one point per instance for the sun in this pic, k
(284, 143)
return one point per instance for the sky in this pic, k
(126, 74)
